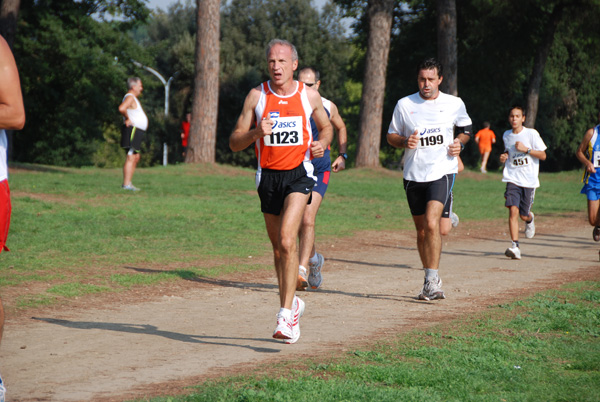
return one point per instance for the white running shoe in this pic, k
(513, 252)
(130, 187)
(315, 279)
(454, 219)
(297, 311)
(284, 328)
(302, 283)
(432, 290)
(530, 227)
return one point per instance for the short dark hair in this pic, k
(314, 71)
(430, 64)
(517, 107)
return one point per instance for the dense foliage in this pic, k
(497, 42)
(68, 57)
(74, 58)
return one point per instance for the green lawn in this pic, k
(71, 228)
(544, 348)
(73, 231)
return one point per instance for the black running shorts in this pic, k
(275, 185)
(418, 194)
(448, 206)
(519, 196)
(132, 138)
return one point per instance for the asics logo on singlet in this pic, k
(435, 130)
(284, 124)
(282, 102)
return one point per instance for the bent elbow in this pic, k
(389, 140)
(233, 145)
(20, 122)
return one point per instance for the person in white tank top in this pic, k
(12, 117)
(134, 118)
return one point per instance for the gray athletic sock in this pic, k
(431, 274)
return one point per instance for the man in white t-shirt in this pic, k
(424, 123)
(523, 150)
(135, 124)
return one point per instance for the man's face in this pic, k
(281, 65)
(308, 77)
(138, 88)
(429, 83)
(516, 118)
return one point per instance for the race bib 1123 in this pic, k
(287, 131)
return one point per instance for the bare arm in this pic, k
(342, 137)
(243, 134)
(399, 141)
(128, 103)
(541, 155)
(458, 144)
(319, 115)
(12, 111)
(580, 153)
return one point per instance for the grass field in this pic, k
(72, 229)
(544, 348)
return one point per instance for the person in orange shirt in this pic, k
(485, 138)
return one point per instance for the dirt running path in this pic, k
(220, 326)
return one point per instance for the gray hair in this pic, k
(283, 42)
(131, 81)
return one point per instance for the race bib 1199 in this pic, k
(430, 136)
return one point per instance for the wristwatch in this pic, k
(528, 150)
(344, 155)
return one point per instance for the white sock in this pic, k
(430, 274)
(302, 270)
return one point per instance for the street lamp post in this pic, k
(167, 84)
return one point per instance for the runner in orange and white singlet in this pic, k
(276, 118)
(288, 144)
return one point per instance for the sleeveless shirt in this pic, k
(289, 143)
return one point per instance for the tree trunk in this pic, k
(203, 128)
(446, 43)
(9, 10)
(535, 81)
(380, 13)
